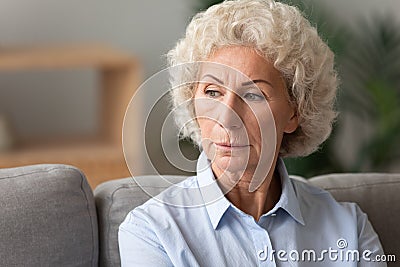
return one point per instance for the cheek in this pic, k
(205, 127)
(205, 115)
(260, 125)
(253, 127)
(281, 120)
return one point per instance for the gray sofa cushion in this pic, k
(114, 200)
(377, 194)
(48, 217)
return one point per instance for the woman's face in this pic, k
(242, 119)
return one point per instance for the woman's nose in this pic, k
(230, 113)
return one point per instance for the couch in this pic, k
(49, 215)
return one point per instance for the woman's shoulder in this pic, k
(321, 200)
(172, 199)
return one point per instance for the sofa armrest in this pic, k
(48, 217)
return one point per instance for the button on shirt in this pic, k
(193, 224)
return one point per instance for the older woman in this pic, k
(257, 84)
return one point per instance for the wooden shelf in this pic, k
(99, 156)
(99, 161)
(74, 56)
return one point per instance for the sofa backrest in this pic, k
(48, 213)
(114, 200)
(377, 194)
(47, 217)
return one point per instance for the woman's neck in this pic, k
(254, 203)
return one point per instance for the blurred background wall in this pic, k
(146, 29)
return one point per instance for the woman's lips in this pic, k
(227, 146)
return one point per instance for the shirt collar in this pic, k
(288, 200)
(214, 200)
(217, 204)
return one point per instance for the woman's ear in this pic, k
(292, 124)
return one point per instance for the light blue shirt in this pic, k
(193, 224)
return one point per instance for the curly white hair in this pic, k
(280, 34)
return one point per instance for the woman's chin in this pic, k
(230, 163)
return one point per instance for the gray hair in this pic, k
(280, 34)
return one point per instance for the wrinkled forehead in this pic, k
(221, 74)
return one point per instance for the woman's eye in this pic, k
(253, 97)
(212, 92)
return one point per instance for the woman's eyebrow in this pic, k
(243, 84)
(256, 81)
(212, 77)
